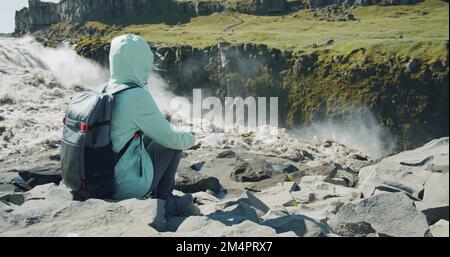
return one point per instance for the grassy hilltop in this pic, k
(419, 30)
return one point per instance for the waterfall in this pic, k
(63, 62)
(196, 8)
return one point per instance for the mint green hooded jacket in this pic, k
(135, 110)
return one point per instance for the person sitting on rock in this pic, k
(144, 169)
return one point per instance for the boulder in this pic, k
(407, 171)
(355, 229)
(277, 196)
(436, 188)
(49, 191)
(317, 188)
(226, 154)
(7, 189)
(321, 170)
(343, 177)
(9, 177)
(255, 167)
(197, 166)
(284, 168)
(390, 214)
(50, 211)
(383, 188)
(265, 184)
(14, 198)
(251, 172)
(440, 229)
(201, 226)
(192, 182)
(42, 175)
(59, 217)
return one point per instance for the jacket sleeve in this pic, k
(153, 124)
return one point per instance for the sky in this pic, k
(8, 10)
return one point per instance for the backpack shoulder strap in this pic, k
(101, 89)
(124, 87)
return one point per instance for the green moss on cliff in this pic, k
(407, 95)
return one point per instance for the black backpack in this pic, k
(87, 157)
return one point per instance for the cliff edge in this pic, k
(43, 14)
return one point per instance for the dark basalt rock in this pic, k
(192, 182)
(251, 172)
(41, 176)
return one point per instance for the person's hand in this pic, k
(196, 146)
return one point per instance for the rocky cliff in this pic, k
(408, 96)
(42, 14)
(76, 11)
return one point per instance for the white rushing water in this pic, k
(35, 85)
(37, 82)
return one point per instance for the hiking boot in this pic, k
(176, 205)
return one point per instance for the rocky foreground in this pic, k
(245, 186)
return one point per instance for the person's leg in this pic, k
(165, 164)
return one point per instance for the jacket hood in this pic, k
(130, 60)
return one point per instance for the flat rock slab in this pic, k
(409, 171)
(51, 214)
(41, 176)
(250, 167)
(437, 188)
(317, 188)
(49, 191)
(201, 226)
(257, 170)
(391, 214)
(8, 177)
(14, 198)
(192, 182)
(440, 229)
